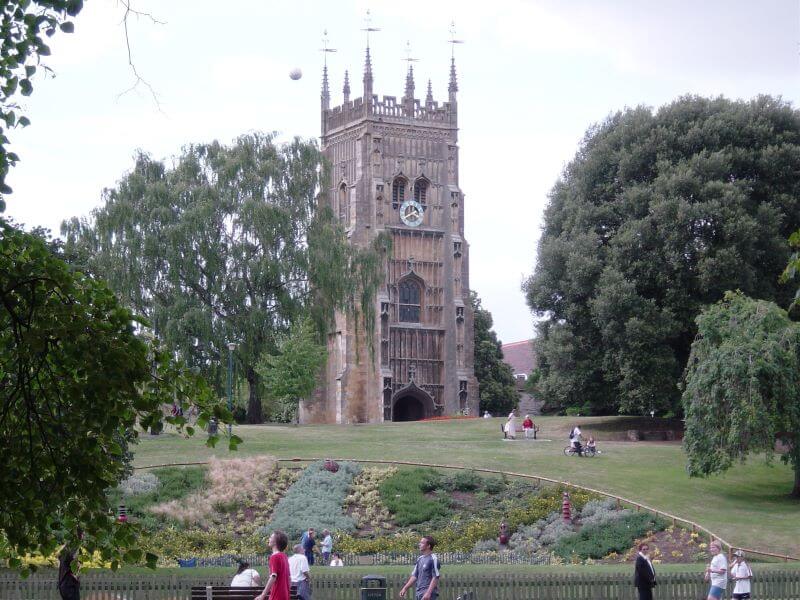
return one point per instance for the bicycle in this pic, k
(585, 450)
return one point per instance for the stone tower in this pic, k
(394, 168)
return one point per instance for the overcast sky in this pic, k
(533, 76)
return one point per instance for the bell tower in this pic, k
(395, 169)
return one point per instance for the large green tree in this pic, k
(226, 245)
(292, 372)
(659, 214)
(742, 386)
(496, 384)
(75, 380)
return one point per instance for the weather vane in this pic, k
(408, 58)
(453, 41)
(325, 50)
(368, 26)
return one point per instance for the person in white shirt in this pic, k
(717, 572)
(510, 428)
(337, 560)
(575, 440)
(299, 573)
(741, 576)
(326, 546)
(246, 577)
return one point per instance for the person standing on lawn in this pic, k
(277, 587)
(425, 573)
(308, 542)
(717, 572)
(644, 575)
(298, 572)
(326, 547)
(741, 576)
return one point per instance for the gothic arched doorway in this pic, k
(411, 403)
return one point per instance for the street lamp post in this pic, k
(231, 348)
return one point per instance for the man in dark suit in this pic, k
(644, 575)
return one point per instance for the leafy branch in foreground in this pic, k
(75, 381)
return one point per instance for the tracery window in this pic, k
(409, 305)
(421, 191)
(398, 191)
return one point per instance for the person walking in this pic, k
(326, 547)
(299, 573)
(716, 571)
(644, 575)
(277, 587)
(308, 542)
(426, 572)
(741, 576)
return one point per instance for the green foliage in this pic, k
(316, 500)
(172, 543)
(291, 375)
(742, 386)
(496, 383)
(231, 244)
(463, 481)
(404, 495)
(657, 216)
(792, 270)
(24, 27)
(600, 540)
(75, 381)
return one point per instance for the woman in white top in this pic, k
(741, 576)
(337, 560)
(246, 577)
(717, 572)
(510, 428)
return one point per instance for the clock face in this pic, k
(411, 213)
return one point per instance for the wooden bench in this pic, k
(224, 592)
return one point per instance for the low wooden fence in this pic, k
(327, 585)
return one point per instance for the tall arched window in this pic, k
(344, 206)
(421, 190)
(398, 191)
(409, 305)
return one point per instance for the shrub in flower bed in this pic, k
(599, 540)
(316, 500)
(172, 484)
(542, 535)
(171, 544)
(404, 495)
(247, 488)
(138, 483)
(364, 500)
(601, 511)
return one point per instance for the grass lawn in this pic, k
(748, 506)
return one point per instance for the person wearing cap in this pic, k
(741, 576)
(717, 571)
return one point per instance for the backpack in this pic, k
(572, 434)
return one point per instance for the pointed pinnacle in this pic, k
(429, 96)
(453, 87)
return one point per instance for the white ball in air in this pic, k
(295, 74)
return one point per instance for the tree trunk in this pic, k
(254, 403)
(796, 490)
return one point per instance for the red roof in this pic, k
(520, 356)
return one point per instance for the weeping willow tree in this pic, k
(742, 386)
(227, 244)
